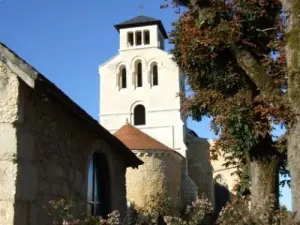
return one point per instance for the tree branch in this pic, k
(257, 73)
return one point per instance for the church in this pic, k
(139, 104)
(51, 148)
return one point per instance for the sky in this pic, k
(67, 40)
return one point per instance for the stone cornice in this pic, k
(157, 153)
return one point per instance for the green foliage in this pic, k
(225, 49)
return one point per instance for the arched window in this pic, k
(221, 180)
(139, 114)
(154, 75)
(123, 80)
(139, 75)
(98, 186)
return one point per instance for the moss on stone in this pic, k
(296, 7)
(293, 39)
(293, 42)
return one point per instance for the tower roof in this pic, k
(142, 21)
(135, 139)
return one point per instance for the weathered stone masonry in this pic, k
(46, 144)
(159, 176)
(9, 115)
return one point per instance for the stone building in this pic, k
(159, 177)
(51, 148)
(143, 81)
(224, 177)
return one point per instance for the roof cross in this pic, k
(141, 7)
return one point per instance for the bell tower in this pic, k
(141, 83)
(141, 32)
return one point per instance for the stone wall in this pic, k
(189, 188)
(9, 115)
(161, 173)
(225, 176)
(205, 172)
(45, 152)
(224, 180)
(199, 167)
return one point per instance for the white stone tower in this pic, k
(140, 84)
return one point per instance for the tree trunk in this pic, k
(264, 180)
(292, 50)
(294, 165)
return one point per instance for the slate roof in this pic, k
(36, 80)
(142, 21)
(193, 133)
(135, 139)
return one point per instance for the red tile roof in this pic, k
(135, 139)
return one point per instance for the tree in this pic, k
(292, 51)
(232, 52)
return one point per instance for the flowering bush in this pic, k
(242, 213)
(199, 212)
(156, 207)
(62, 211)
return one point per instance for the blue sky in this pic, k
(66, 40)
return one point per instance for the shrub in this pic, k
(199, 212)
(241, 213)
(62, 211)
